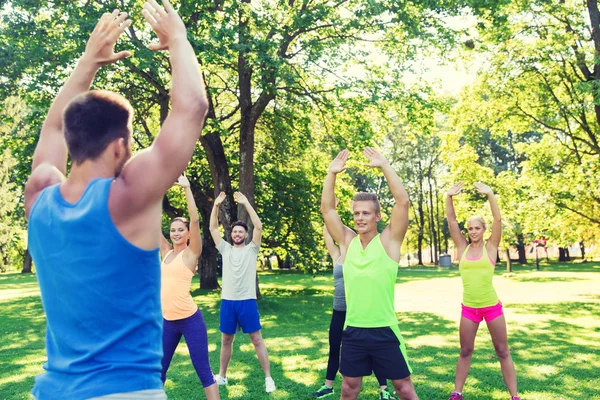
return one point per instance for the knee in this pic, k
(466, 351)
(350, 389)
(502, 351)
(405, 389)
(257, 340)
(228, 340)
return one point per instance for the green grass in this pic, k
(553, 322)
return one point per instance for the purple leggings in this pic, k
(193, 329)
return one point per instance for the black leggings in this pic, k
(338, 318)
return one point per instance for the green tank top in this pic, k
(477, 275)
(369, 277)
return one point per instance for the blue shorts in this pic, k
(239, 313)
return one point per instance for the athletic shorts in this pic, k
(379, 350)
(479, 314)
(236, 314)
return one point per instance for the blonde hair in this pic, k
(364, 196)
(478, 219)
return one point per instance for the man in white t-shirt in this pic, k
(238, 298)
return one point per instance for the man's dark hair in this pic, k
(239, 223)
(93, 120)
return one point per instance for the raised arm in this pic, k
(148, 175)
(457, 237)
(51, 150)
(332, 249)
(195, 245)
(399, 218)
(165, 246)
(333, 222)
(214, 219)
(496, 235)
(257, 232)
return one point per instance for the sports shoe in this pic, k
(269, 385)
(323, 392)
(515, 398)
(455, 396)
(384, 394)
(221, 380)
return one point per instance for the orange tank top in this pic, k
(177, 302)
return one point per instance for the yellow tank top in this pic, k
(477, 275)
(177, 302)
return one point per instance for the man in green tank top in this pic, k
(371, 340)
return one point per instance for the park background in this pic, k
(504, 92)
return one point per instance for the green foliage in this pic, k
(12, 223)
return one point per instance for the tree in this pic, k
(261, 60)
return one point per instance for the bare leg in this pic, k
(497, 328)
(468, 331)
(405, 389)
(226, 350)
(261, 352)
(212, 392)
(351, 388)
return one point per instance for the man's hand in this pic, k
(455, 189)
(240, 198)
(339, 163)
(165, 22)
(220, 198)
(483, 189)
(376, 159)
(183, 182)
(100, 46)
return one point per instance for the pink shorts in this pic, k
(478, 314)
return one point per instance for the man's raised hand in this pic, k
(100, 46)
(165, 22)
(220, 198)
(240, 198)
(339, 162)
(376, 159)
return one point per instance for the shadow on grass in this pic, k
(23, 326)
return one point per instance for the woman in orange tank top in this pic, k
(181, 316)
(477, 262)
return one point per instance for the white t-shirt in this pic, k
(239, 271)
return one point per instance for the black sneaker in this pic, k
(323, 392)
(384, 394)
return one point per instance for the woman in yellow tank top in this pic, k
(181, 316)
(477, 263)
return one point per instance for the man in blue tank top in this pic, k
(94, 235)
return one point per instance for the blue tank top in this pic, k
(101, 296)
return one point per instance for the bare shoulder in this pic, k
(349, 235)
(139, 224)
(43, 176)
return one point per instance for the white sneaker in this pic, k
(269, 385)
(221, 380)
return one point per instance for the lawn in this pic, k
(553, 321)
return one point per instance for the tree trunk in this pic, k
(508, 263)
(421, 233)
(582, 247)
(521, 249)
(207, 264)
(432, 222)
(27, 262)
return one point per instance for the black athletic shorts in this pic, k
(367, 350)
